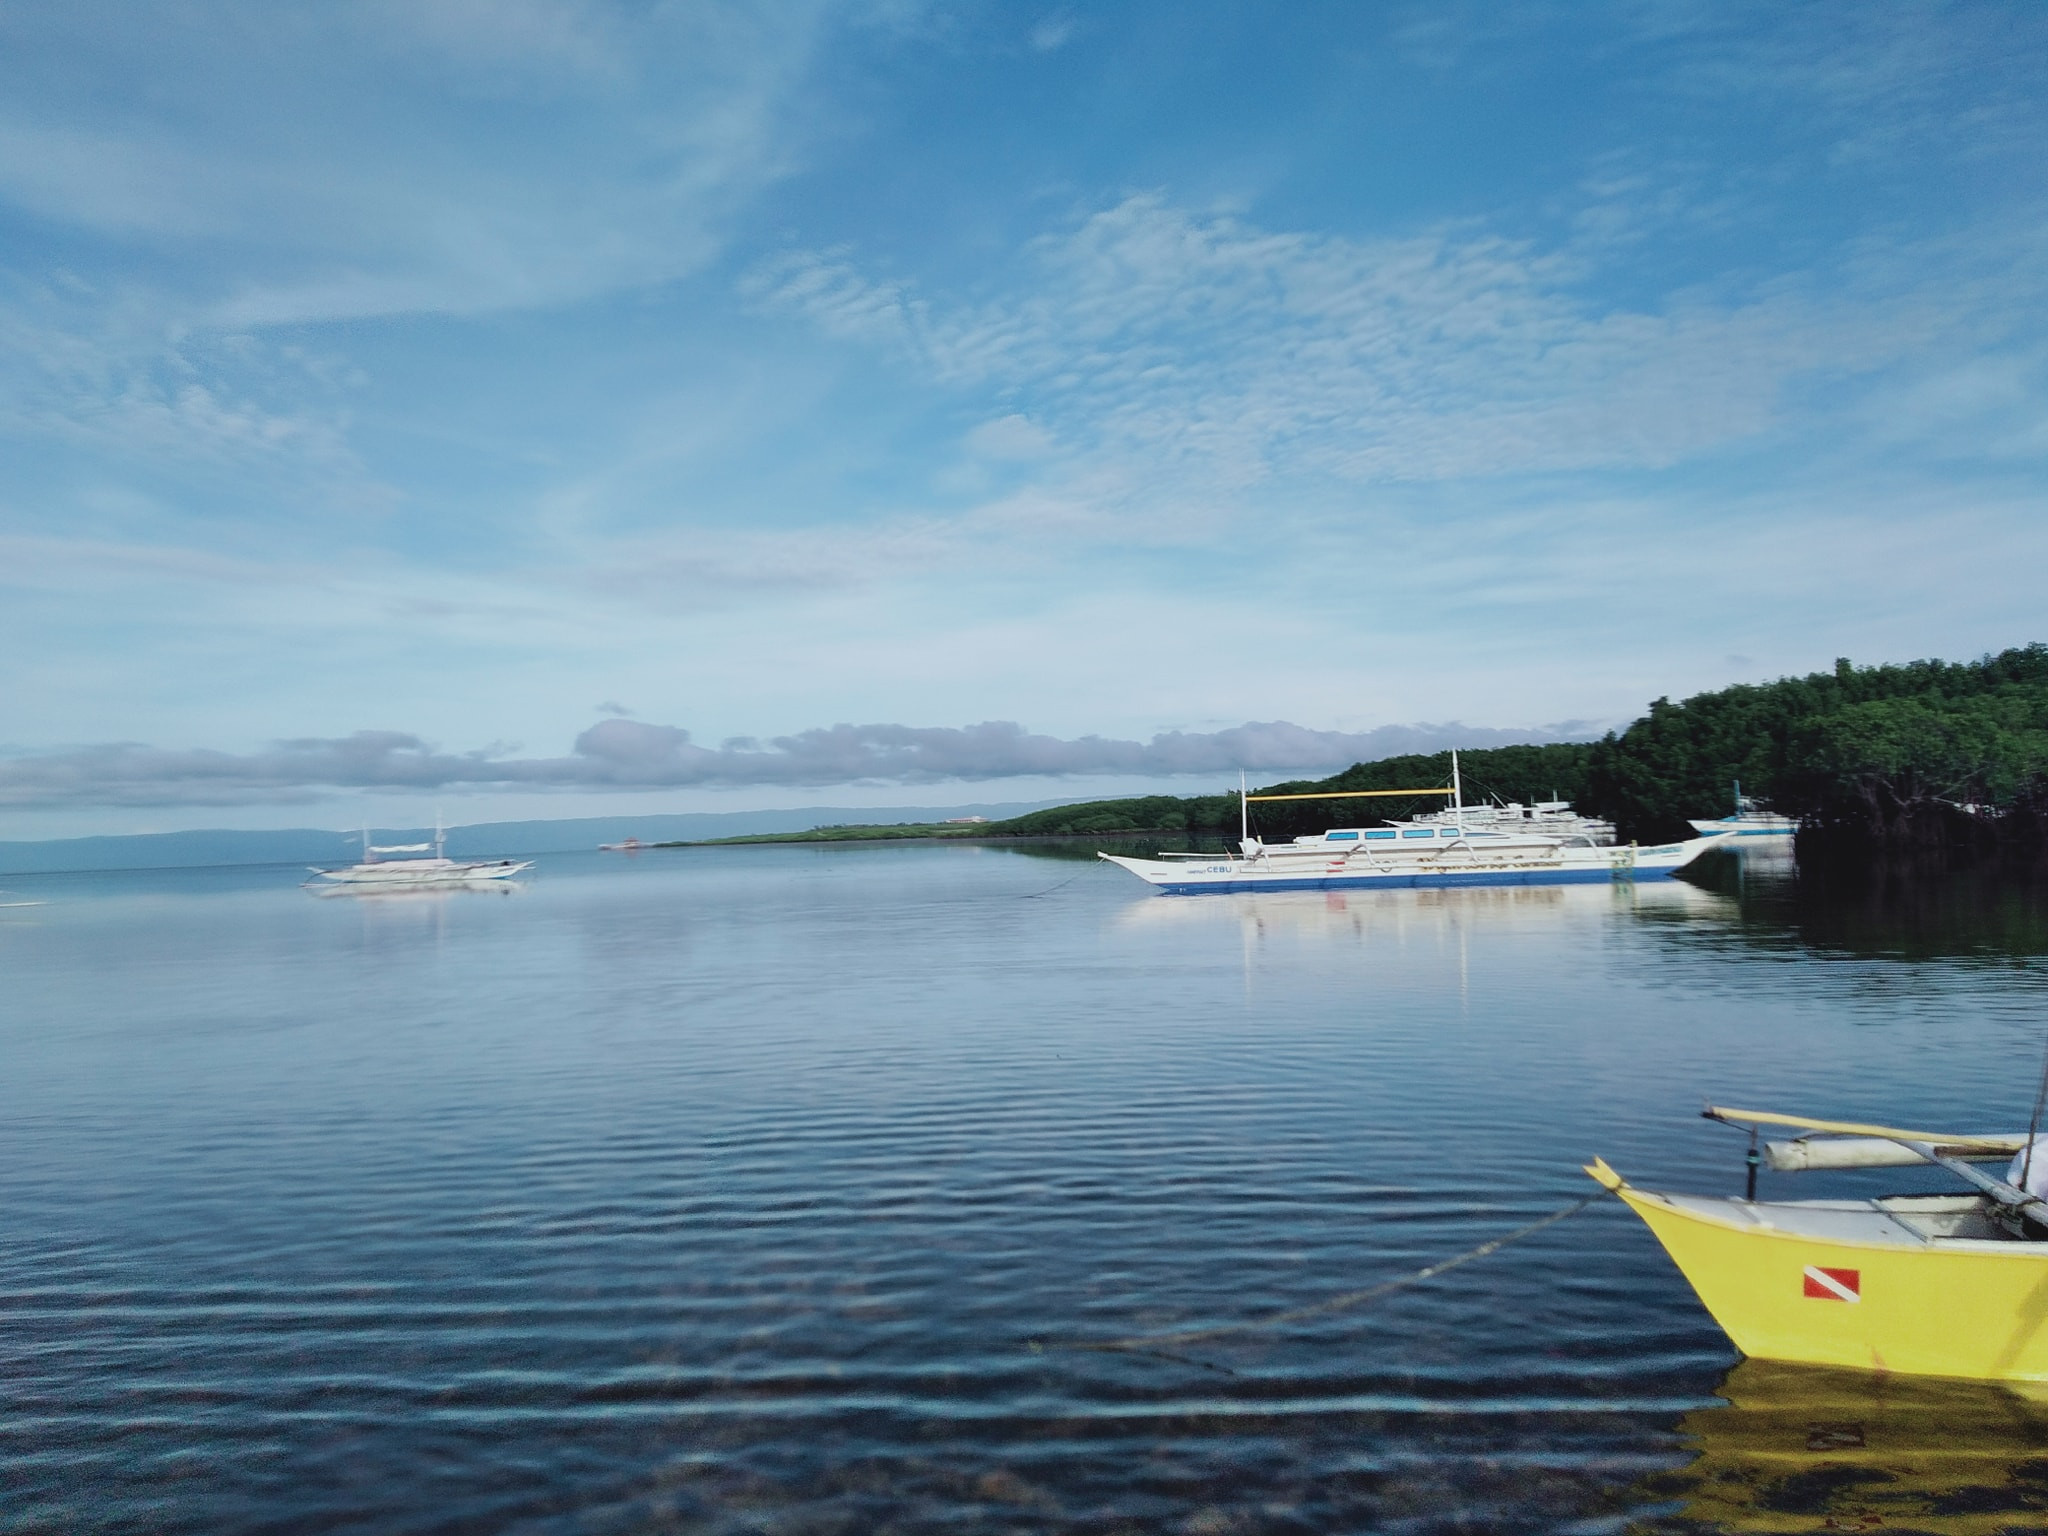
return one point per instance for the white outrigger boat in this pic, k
(385, 874)
(1752, 823)
(1443, 848)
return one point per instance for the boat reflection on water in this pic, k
(414, 895)
(1807, 1448)
(1363, 911)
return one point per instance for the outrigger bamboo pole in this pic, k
(1944, 1151)
(1833, 1127)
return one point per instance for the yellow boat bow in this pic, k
(1931, 1285)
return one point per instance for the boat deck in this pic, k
(1910, 1221)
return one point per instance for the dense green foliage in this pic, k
(1143, 813)
(1858, 747)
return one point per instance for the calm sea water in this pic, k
(764, 1190)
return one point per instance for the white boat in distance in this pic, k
(1442, 849)
(384, 874)
(1751, 822)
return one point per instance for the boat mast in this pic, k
(1457, 793)
(1244, 812)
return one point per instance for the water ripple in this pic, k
(753, 1191)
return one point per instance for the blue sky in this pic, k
(403, 401)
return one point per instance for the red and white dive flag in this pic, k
(1834, 1284)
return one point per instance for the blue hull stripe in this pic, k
(1418, 881)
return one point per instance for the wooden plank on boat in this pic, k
(2016, 1200)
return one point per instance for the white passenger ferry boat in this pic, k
(1444, 848)
(380, 873)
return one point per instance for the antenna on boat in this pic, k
(1457, 793)
(2026, 1178)
(1244, 812)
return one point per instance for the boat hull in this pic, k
(1750, 827)
(1458, 867)
(396, 876)
(1958, 1308)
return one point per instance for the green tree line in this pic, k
(1908, 754)
(1915, 754)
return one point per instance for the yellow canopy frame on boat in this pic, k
(1350, 794)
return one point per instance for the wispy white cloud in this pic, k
(1053, 32)
(1217, 348)
(1881, 86)
(1015, 437)
(1035, 531)
(830, 292)
(200, 186)
(328, 164)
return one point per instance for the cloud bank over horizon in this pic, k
(622, 754)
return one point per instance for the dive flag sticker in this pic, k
(1834, 1284)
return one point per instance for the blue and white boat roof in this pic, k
(1390, 834)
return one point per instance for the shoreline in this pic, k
(885, 835)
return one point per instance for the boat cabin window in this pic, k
(1341, 837)
(1425, 832)
(1374, 837)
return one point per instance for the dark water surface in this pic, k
(759, 1190)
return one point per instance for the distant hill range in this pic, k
(309, 845)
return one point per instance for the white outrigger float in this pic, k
(376, 873)
(1441, 849)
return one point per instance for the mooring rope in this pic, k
(1162, 1345)
(1035, 895)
